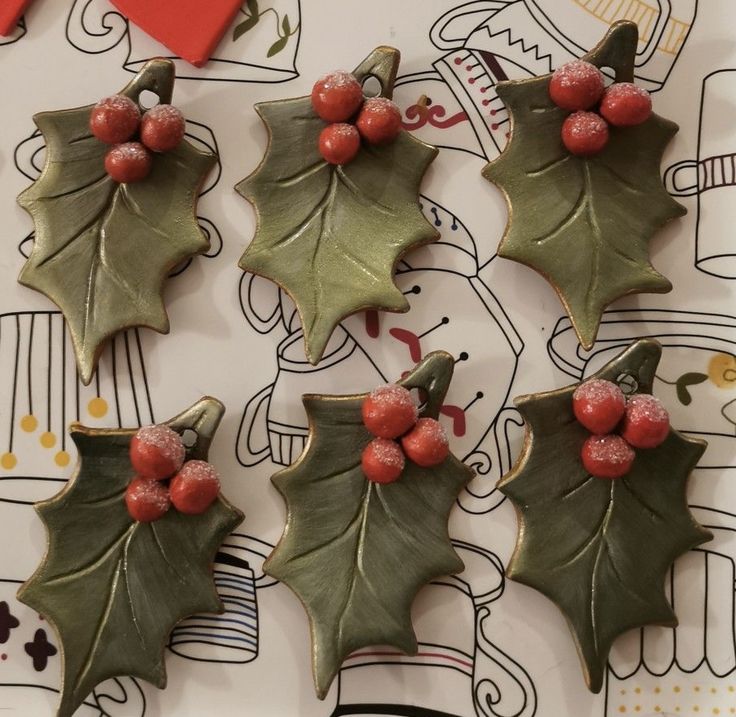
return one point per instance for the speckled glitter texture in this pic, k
(382, 460)
(389, 411)
(607, 456)
(626, 104)
(426, 444)
(577, 85)
(599, 405)
(646, 423)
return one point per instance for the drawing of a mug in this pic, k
(712, 177)
(260, 48)
(488, 41)
(233, 636)
(462, 671)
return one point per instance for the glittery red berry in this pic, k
(337, 96)
(389, 411)
(646, 421)
(625, 104)
(146, 500)
(584, 133)
(577, 85)
(194, 488)
(156, 452)
(599, 405)
(379, 121)
(128, 162)
(339, 143)
(162, 128)
(114, 119)
(607, 456)
(426, 444)
(382, 461)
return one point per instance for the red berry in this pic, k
(146, 500)
(379, 121)
(599, 405)
(426, 444)
(156, 452)
(339, 143)
(128, 162)
(337, 96)
(114, 119)
(162, 128)
(577, 85)
(584, 133)
(625, 104)
(607, 456)
(389, 411)
(646, 421)
(194, 488)
(382, 461)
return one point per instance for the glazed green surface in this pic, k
(329, 235)
(113, 588)
(355, 552)
(102, 250)
(600, 548)
(584, 223)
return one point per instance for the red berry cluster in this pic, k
(157, 454)
(117, 119)
(389, 412)
(337, 98)
(601, 407)
(578, 86)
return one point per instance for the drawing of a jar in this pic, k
(457, 670)
(711, 177)
(372, 348)
(260, 47)
(696, 380)
(488, 41)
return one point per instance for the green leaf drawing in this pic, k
(250, 22)
(286, 25)
(277, 46)
(355, 552)
(584, 224)
(102, 250)
(600, 549)
(688, 379)
(332, 235)
(114, 588)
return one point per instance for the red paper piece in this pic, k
(10, 12)
(189, 28)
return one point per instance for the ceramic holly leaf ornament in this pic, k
(356, 551)
(584, 222)
(331, 232)
(600, 547)
(102, 247)
(113, 587)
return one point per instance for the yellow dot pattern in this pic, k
(48, 439)
(686, 696)
(8, 461)
(29, 423)
(97, 407)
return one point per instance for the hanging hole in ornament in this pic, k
(420, 397)
(609, 75)
(627, 383)
(189, 437)
(148, 99)
(372, 86)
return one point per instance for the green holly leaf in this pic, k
(102, 250)
(332, 235)
(584, 224)
(356, 552)
(600, 549)
(114, 588)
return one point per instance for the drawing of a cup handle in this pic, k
(452, 29)
(691, 184)
(254, 414)
(261, 325)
